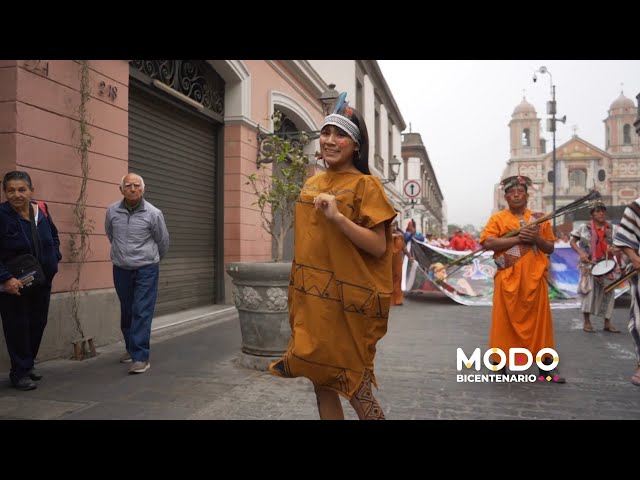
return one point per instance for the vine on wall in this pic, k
(79, 242)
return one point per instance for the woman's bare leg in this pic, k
(329, 405)
(364, 403)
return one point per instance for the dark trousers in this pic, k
(137, 291)
(24, 318)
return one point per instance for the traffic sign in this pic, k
(412, 188)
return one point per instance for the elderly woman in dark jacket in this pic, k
(23, 308)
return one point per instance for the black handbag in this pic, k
(26, 267)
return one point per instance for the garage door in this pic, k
(174, 152)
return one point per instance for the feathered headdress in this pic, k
(514, 180)
(342, 118)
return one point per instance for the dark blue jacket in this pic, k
(15, 239)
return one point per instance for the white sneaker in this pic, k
(139, 367)
(125, 358)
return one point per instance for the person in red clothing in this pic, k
(470, 243)
(458, 242)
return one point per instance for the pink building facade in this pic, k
(189, 128)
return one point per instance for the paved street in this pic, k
(194, 375)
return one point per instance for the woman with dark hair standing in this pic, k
(341, 283)
(25, 228)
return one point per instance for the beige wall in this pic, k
(342, 73)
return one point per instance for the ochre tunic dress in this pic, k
(339, 295)
(396, 268)
(521, 315)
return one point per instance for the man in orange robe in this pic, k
(521, 315)
(399, 250)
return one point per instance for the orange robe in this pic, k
(396, 268)
(521, 315)
(339, 295)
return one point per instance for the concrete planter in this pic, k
(260, 294)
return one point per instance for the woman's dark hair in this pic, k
(16, 175)
(361, 158)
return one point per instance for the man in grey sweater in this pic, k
(139, 239)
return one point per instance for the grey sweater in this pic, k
(137, 239)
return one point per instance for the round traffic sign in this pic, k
(412, 188)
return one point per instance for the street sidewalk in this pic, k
(194, 375)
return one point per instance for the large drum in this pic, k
(603, 267)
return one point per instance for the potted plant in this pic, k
(261, 288)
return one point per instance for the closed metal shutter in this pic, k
(174, 152)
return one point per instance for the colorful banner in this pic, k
(471, 283)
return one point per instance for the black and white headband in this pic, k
(345, 124)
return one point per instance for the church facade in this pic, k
(615, 171)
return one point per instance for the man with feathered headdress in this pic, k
(521, 315)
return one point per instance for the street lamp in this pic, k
(551, 127)
(394, 170)
(328, 99)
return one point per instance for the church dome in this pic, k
(524, 109)
(622, 102)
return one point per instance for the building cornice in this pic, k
(308, 74)
(421, 152)
(372, 69)
(240, 120)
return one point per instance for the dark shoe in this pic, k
(23, 383)
(34, 375)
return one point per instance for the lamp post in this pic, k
(394, 171)
(394, 168)
(551, 127)
(328, 99)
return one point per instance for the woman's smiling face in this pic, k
(18, 193)
(337, 148)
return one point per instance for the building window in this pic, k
(378, 160)
(526, 138)
(359, 88)
(626, 134)
(608, 140)
(390, 151)
(578, 178)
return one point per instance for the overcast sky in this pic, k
(462, 110)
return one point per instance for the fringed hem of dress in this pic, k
(339, 383)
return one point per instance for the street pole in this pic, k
(551, 126)
(553, 122)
